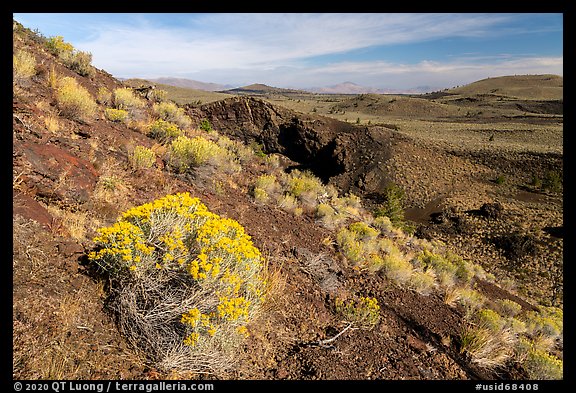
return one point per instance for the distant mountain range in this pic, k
(191, 84)
(353, 88)
(341, 88)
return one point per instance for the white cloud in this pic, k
(266, 40)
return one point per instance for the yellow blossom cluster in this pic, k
(364, 312)
(123, 245)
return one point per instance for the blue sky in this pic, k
(295, 50)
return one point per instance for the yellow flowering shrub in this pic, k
(186, 153)
(363, 313)
(189, 266)
(163, 131)
(116, 115)
(142, 157)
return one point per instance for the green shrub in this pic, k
(490, 319)
(444, 269)
(142, 158)
(384, 224)
(205, 125)
(552, 181)
(356, 242)
(77, 61)
(304, 186)
(116, 115)
(501, 179)
(258, 149)
(74, 101)
(363, 231)
(185, 282)
(393, 205)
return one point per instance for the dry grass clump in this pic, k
(185, 282)
(396, 267)
(486, 347)
(468, 298)
(24, 65)
(74, 101)
(51, 123)
(423, 282)
(508, 307)
(142, 158)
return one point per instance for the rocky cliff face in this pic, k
(349, 156)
